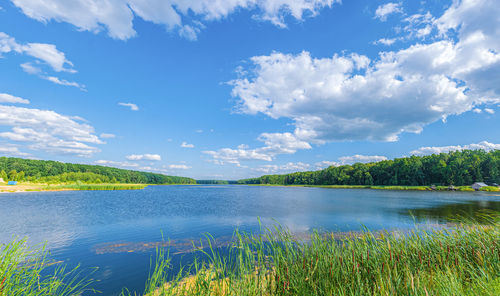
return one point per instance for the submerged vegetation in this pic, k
(459, 168)
(44, 171)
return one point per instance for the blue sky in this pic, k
(230, 89)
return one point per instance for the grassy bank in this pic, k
(28, 187)
(460, 261)
(389, 187)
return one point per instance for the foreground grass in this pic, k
(23, 272)
(464, 260)
(461, 261)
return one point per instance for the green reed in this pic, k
(96, 187)
(23, 272)
(463, 260)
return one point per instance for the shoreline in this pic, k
(21, 188)
(381, 187)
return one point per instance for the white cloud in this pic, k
(7, 150)
(386, 41)
(59, 81)
(178, 167)
(6, 98)
(116, 16)
(120, 164)
(389, 8)
(289, 167)
(154, 157)
(43, 53)
(107, 136)
(186, 145)
(488, 110)
(361, 158)
(275, 144)
(350, 97)
(48, 131)
(325, 163)
(30, 69)
(47, 53)
(484, 145)
(477, 110)
(132, 106)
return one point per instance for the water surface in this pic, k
(118, 231)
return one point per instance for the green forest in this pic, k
(53, 172)
(459, 168)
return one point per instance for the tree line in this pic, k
(47, 171)
(459, 168)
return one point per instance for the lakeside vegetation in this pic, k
(392, 187)
(53, 172)
(464, 260)
(461, 260)
(24, 271)
(26, 187)
(459, 168)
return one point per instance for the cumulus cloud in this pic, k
(386, 41)
(117, 16)
(325, 163)
(8, 150)
(48, 131)
(300, 166)
(178, 167)
(484, 145)
(6, 98)
(43, 53)
(361, 158)
(488, 110)
(120, 164)
(389, 8)
(154, 157)
(187, 145)
(46, 53)
(350, 97)
(275, 144)
(132, 106)
(289, 167)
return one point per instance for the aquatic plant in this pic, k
(25, 271)
(463, 260)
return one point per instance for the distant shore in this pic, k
(33, 187)
(389, 187)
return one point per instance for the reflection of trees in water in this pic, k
(456, 212)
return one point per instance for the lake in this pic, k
(118, 231)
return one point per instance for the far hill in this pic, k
(459, 168)
(53, 171)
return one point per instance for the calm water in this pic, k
(117, 231)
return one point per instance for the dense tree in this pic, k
(455, 168)
(57, 172)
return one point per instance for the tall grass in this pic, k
(24, 272)
(464, 260)
(93, 187)
(402, 187)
